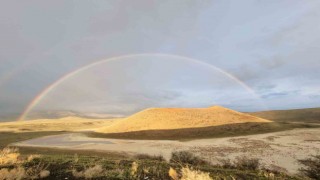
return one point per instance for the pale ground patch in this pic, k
(278, 148)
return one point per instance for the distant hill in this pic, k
(180, 118)
(295, 115)
(62, 114)
(60, 124)
(7, 117)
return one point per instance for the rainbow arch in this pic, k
(51, 87)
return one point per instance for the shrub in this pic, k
(134, 169)
(275, 169)
(186, 157)
(44, 173)
(226, 164)
(90, 172)
(93, 172)
(33, 157)
(37, 171)
(247, 163)
(117, 174)
(9, 156)
(77, 174)
(13, 174)
(149, 157)
(312, 167)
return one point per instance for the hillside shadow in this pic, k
(229, 130)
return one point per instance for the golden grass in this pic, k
(180, 118)
(89, 173)
(173, 174)
(190, 174)
(11, 157)
(62, 124)
(17, 173)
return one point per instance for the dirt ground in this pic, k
(276, 150)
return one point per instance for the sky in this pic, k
(247, 55)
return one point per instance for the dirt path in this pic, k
(274, 149)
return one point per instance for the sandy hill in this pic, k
(180, 118)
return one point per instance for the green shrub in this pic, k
(185, 157)
(247, 163)
(226, 164)
(149, 157)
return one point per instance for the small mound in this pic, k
(180, 118)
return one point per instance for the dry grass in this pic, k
(62, 124)
(179, 118)
(134, 169)
(92, 167)
(190, 174)
(11, 157)
(89, 173)
(173, 174)
(12, 174)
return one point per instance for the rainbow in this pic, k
(51, 87)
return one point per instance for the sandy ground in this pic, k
(274, 149)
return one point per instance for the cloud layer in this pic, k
(273, 46)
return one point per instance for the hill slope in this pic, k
(294, 115)
(180, 118)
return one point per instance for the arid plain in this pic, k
(214, 133)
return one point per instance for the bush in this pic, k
(247, 163)
(149, 157)
(15, 173)
(90, 172)
(37, 170)
(312, 167)
(226, 164)
(185, 157)
(9, 156)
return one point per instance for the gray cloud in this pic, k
(272, 48)
(279, 94)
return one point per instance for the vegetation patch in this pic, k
(183, 165)
(311, 167)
